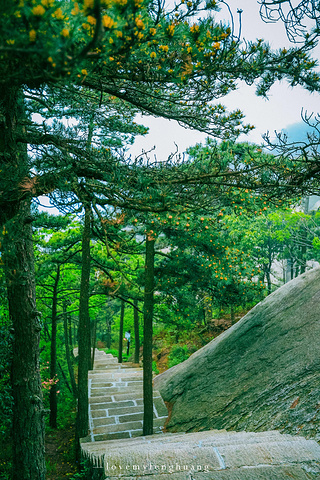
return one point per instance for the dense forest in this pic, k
(174, 250)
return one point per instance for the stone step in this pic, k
(209, 455)
(126, 407)
(117, 371)
(105, 362)
(136, 395)
(125, 419)
(99, 391)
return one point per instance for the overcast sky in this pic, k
(280, 111)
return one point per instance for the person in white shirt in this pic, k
(127, 336)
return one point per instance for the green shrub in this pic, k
(113, 352)
(154, 367)
(178, 355)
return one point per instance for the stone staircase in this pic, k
(117, 450)
(116, 400)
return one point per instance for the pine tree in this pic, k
(54, 54)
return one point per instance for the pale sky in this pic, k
(282, 109)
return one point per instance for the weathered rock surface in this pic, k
(261, 374)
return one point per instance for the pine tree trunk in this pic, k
(53, 359)
(28, 421)
(121, 333)
(147, 338)
(68, 348)
(70, 332)
(17, 249)
(303, 257)
(136, 332)
(269, 284)
(84, 360)
(93, 343)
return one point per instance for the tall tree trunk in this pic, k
(69, 327)
(53, 359)
(17, 248)
(93, 342)
(28, 421)
(121, 332)
(68, 350)
(136, 332)
(84, 360)
(269, 284)
(147, 338)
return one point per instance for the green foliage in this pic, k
(178, 355)
(154, 367)
(113, 351)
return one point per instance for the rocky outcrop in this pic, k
(261, 374)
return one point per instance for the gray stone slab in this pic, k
(98, 413)
(159, 422)
(100, 392)
(107, 405)
(128, 396)
(97, 392)
(100, 384)
(257, 473)
(100, 399)
(118, 428)
(136, 433)
(133, 378)
(102, 361)
(124, 410)
(161, 409)
(282, 473)
(98, 422)
(116, 389)
(101, 404)
(151, 455)
(269, 453)
(130, 418)
(111, 436)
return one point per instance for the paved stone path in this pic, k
(116, 400)
(115, 393)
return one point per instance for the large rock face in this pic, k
(261, 374)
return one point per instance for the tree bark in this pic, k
(136, 332)
(28, 421)
(269, 284)
(84, 360)
(147, 338)
(17, 248)
(53, 359)
(121, 333)
(93, 342)
(68, 348)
